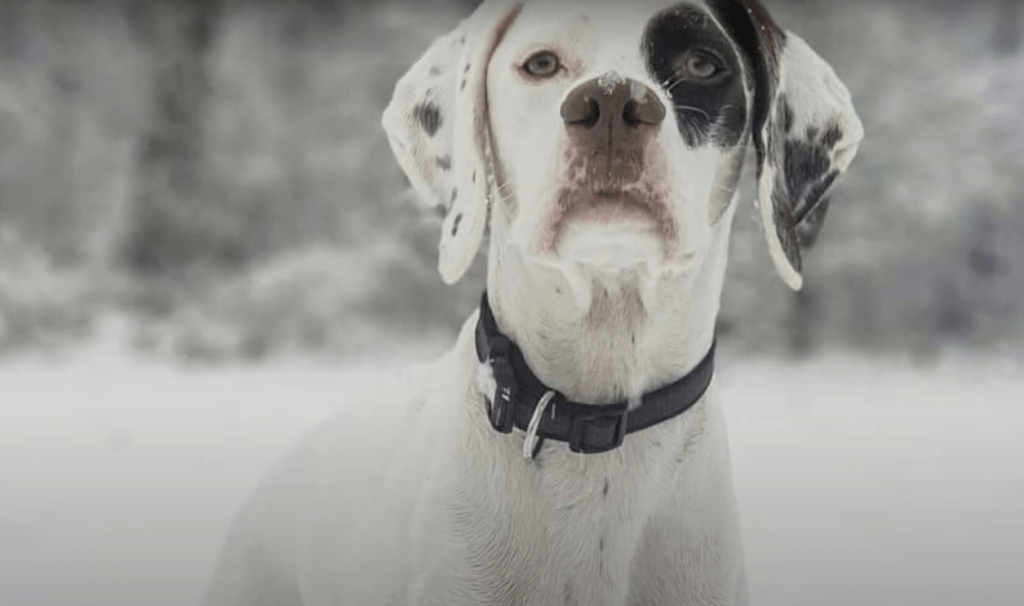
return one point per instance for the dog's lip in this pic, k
(604, 204)
(608, 204)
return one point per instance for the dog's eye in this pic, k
(542, 65)
(700, 66)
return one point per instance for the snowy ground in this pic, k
(862, 482)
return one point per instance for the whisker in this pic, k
(672, 82)
(506, 188)
(506, 191)
(688, 108)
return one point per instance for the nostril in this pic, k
(648, 110)
(593, 113)
(582, 110)
(629, 113)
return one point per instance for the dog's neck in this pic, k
(606, 336)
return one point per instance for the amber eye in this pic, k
(542, 65)
(699, 65)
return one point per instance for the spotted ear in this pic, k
(806, 133)
(438, 127)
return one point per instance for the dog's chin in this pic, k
(611, 231)
(611, 246)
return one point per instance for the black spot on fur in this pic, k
(786, 116)
(444, 162)
(462, 85)
(809, 175)
(809, 228)
(435, 71)
(600, 545)
(455, 196)
(784, 226)
(799, 207)
(429, 117)
(714, 111)
(474, 176)
(607, 487)
(465, 69)
(456, 223)
(832, 136)
(806, 163)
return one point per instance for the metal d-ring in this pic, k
(530, 441)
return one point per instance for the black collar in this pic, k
(587, 428)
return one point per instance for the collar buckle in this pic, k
(502, 408)
(600, 432)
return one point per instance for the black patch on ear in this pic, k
(456, 223)
(714, 111)
(806, 162)
(832, 136)
(814, 196)
(786, 115)
(760, 38)
(809, 175)
(785, 228)
(809, 228)
(798, 196)
(443, 162)
(429, 117)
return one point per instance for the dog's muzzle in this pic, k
(609, 121)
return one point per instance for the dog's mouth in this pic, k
(607, 205)
(611, 217)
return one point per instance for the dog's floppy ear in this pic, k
(438, 127)
(806, 133)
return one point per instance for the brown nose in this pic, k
(609, 121)
(619, 107)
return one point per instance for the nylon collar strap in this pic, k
(587, 428)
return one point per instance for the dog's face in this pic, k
(617, 133)
(610, 133)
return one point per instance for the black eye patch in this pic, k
(707, 111)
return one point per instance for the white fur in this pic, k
(412, 498)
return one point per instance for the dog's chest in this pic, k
(559, 530)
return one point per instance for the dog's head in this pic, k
(611, 133)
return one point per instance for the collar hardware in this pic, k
(586, 428)
(502, 411)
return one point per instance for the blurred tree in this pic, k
(173, 223)
(12, 28)
(44, 59)
(63, 241)
(1008, 32)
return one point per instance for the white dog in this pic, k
(568, 449)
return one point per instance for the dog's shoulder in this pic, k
(341, 489)
(353, 452)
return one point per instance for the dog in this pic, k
(569, 448)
